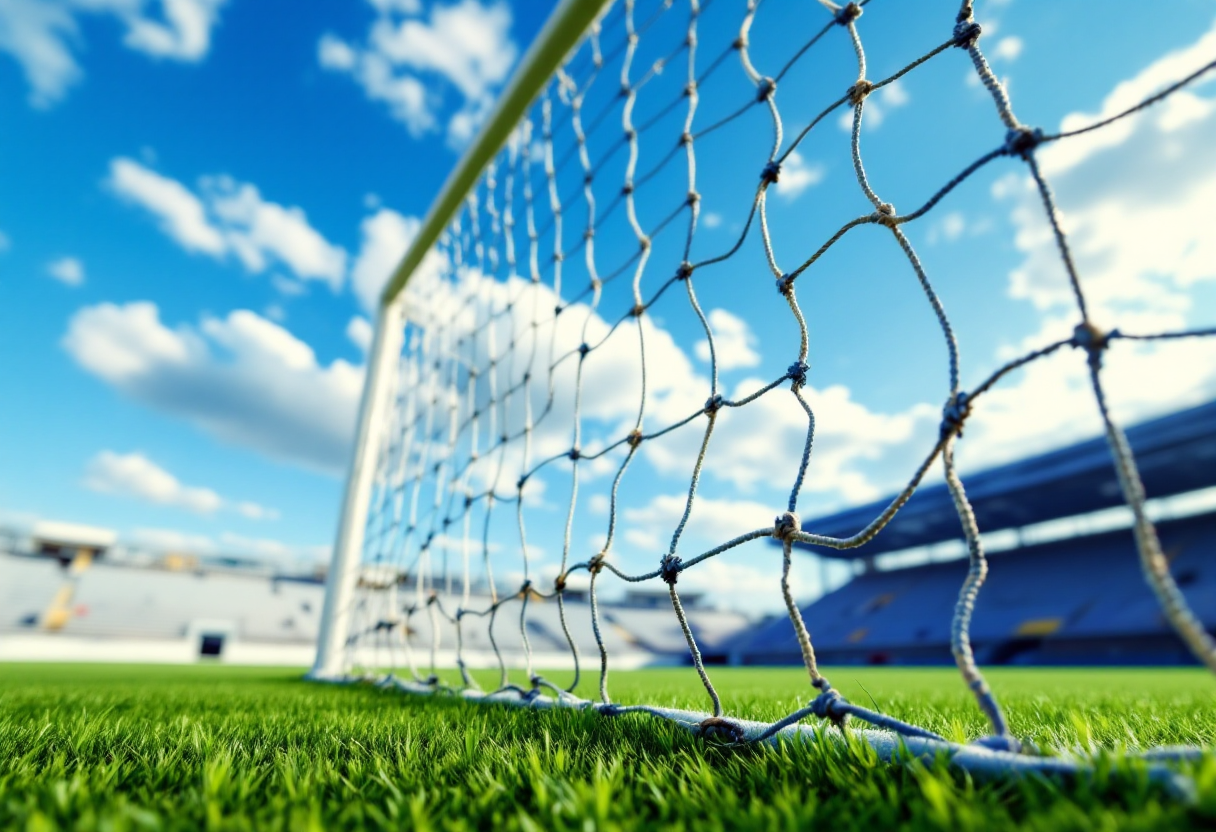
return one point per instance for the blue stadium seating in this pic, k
(1074, 601)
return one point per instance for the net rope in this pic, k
(475, 384)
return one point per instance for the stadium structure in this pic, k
(1066, 588)
(74, 592)
(1068, 591)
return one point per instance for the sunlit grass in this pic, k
(91, 747)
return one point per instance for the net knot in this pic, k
(770, 173)
(690, 88)
(588, 177)
(740, 42)
(1088, 337)
(684, 271)
(634, 438)
(966, 33)
(693, 197)
(525, 589)
(825, 705)
(468, 501)
(638, 310)
(596, 564)
(583, 349)
(589, 233)
(685, 138)
(785, 284)
(433, 598)
(522, 482)
(627, 188)
(631, 134)
(848, 13)
(557, 310)
(956, 411)
(765, 88)
(786, 526)
(1021, 140)
(858, 92)
(558, 257)
(460, 611)
(717, 727)
(669, 569)
(574, 453)
(797, 373)
(885, 215)
(643, 242)
(559, 583)
(713, 404)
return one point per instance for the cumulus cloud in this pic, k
(1008, 48)
(465, 46)
(796, 176)
(230, 218)
(67, 270)
(734, 342)
(386, 236)
(360, 332)
(243, 379)
(135, 476)
(44, 35)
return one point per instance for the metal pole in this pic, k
(348, 547)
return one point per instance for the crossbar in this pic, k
(560, 34)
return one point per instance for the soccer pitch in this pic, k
(92, 747)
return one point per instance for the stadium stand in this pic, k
(1079, 600)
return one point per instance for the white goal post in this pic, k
(560, 34)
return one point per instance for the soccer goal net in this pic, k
(555, 388)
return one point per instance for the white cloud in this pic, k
(243, 379)
(1133, 203)
(259, 233)
(5, 242)
(359, 331)
(1161, 73)
(467, 45)
(42, 35)
(857, 453)
(254, 511)
(734, 341)
(181, 214)
(135, 476)
(1008, 48)
(386, 236)
(183, 34)
(67, 270)
(712, 220)
(796, 176)
(231, 218)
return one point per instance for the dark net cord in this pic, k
(456, 409)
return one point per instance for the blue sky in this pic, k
(200, 198)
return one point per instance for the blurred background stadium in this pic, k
(1066, 588)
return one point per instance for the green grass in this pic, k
(93, 747)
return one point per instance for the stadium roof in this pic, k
(1175, 454)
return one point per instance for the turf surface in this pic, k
(95, 747)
